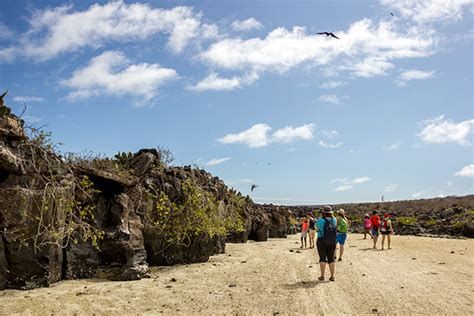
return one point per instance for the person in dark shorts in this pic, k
(386, 229)
(375, 220)
(326, 242)
(312, 230)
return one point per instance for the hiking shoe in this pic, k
(340, 259)
(332, 279)
(321, 278)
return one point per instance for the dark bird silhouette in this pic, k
(253, 186)
(1, 98)
(391, 14)
(328, 34)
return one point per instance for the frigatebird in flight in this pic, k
(328, 34)
(253, 186)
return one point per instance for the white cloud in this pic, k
(214, 82)
(258, 135)
(215, 161)
(289, 134)
(333, 84)
(329, 134)
(371, 66)
(254, 137)
(391, 188)
(467, 171)
(361, 180)
(343, 188)
(112, 74)
(365, 49)
(28, 99)
(246, 25)
(416, 75)
(392, 147)
(431, 10)
(440, 131)
(331, 98)
(58, 30)
(348, 184)
(327, 145)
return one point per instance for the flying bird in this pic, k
(391, 14)
(328, 34)
(1, 98)
(253, 186)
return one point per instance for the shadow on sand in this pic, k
(301, 285)
(367, 249)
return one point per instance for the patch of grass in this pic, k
(406, 220)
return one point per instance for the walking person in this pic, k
(304, 231)
(343, 225)
(367, 226)
(326, 242)
(386, 229)
(375, 221)
(312, 230)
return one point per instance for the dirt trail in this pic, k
(419, 275)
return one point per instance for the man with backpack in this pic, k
(375, 220)
(326, 242)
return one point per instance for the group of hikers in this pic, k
(332, 231)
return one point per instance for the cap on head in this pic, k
(341, 212)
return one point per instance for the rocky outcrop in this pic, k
(99, 218)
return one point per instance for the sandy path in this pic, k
(266, 278)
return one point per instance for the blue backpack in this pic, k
(330, 232)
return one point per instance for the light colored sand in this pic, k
(269, 279)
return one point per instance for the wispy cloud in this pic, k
(428, 11)
(331, 98)
(329, 134)
(392, 147)
(258, 135)
(28, 99)
(391, 188)
(327, 145)
(441, 131)
(348, 184)
(112, 73)
(5, 32)
(413, 75)
(216, 83)
(333, 84)
(344, 188)
(216, 161)
(416, 75)
(246, 25)
(466, 171)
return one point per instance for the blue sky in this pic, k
(250, 92)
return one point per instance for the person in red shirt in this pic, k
(375, 220)
(304, 231)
